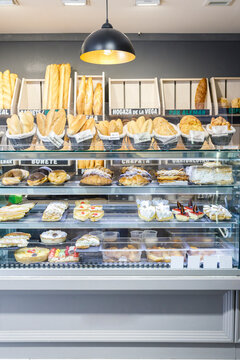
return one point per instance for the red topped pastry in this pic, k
(195, 214)
(182, 215)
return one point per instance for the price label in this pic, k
(196, 135)
(83, 135)
(114, 136)
(55, 140)
(210, 262)
(177, 262)
(193, 262)
(139, 138)
(220, 129)
(225, 262)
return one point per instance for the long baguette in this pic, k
(67, 75)
(46, 88)
(61, 87)
(98, 100)
(88, 105)
(1, 90)
(7, 96)
(81, 96)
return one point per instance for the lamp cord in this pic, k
(107, 11)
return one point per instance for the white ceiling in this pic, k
(172, 16)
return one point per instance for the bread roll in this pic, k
(147, 126)
(112, 127)
(14, 125)
(46, 88)
(133, 128)
(67, 74)
(41, 123)
(201, 93)
(13, 78)
(88, 103)
(7, 93)
(98, 100)
(81, 96)
(1, 90)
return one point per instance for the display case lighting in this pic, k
(8, 2)
(218, 2)
(74, 2)
(147, 2)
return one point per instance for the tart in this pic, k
(31, 255)
(182, 215)
(53, 237)
(63, 255)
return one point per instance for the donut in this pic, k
(14, 176)
(57, 177)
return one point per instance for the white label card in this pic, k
(177, 262)
(220, 129)
(193, 261)
(225, 262)
(139, 138)
(55, 139)
(83, 135)
(196, 135)
(114, 136)
(210, 262)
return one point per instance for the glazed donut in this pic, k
(14, 176)
(57, 177)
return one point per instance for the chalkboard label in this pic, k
(34, 112)
(130, 162)
(46, 162)
(180, 112)
(7, 162)
(229, 111)
(138, 112)
(95, 117)
(5, 112)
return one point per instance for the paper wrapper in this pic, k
(195, 139)
(167, 142)
(220, 135)
(139, 141)
(113, 142)
(52, 141)
(23, 141)
(82, 141)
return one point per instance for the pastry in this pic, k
(37, 178)
(96, 215)
(129, 253)
(54, 211)
(190, 123)
(82, 202)
(162, 253)
(177, 210)
(182, 215)
(98, 100)
(31, 255)
(86, 241)
(18, 239)
(210, 173)
(14, 176)
(162, 127)
(63, 255)
(15, 212)
(94, 208)
(235, 103)
(53, 237)
(174, 177)
(97, 177)
(57, 177)
(134, 176)
(163, 213)
(201, 94)
(88, 101)
(223, 102)
(80, 214)
(220, 121)
(147, 213)
(81, 95)
(195, 213)
(216, 212)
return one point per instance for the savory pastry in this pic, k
(63, 255)
(129, 253)
(163, 212)
(188, 123)
(81, 96)
(54, 211)
(53, 237)
(216, 212)
(162, 127)
(58, 177)
(86, 241)
(31, 255)
(98, 100)
(14, 176)
(96, 215)
(182, 215)
(210, 173)
(147, 213)
(201, 94)
(219, 121)
(223, 102)
(235, 103)
(88, 101)
(15, 212)
(18, 239)
(134, 176)
(97, 177)
(173, 177)
(20, 125)
(37, 178)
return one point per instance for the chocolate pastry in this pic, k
(36, 178)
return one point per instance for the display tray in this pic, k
(116, 216)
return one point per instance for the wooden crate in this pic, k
(227, 87)
(31, 96)
(96, 79)
(13, 109)
(178, 97)
(134, 97)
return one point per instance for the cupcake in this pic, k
(220, 131)
(192, 132)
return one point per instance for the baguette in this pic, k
(13, 78)
(88, 103)
(53, 87)
(1, 90)
(49, 121)
(7, 94)
(41, 123)
(61, 87)
(46, 88)
(98, 100)
(59, 122)
(201, 93)
(67, 74)
(81, 96)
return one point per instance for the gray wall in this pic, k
(157, 55)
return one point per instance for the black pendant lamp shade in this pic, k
(107, 46)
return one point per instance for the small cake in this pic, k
(195, 214)
(63, 255)
(210, 173)
(53, 237)
(216, 212)
(177, 210)
(18, 239)
(182, 215)
(86, 241)
(80, 214)
(94, 208)
(147, 213)
(96, 215)
(31, 255)
(163, 213)
(172, 177)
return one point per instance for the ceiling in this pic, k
(172, 16)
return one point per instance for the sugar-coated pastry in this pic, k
(53, 237)
(163, 212)
(217, 212)
(147, 213)
(31, 255)
(57, 177)
(134, 176)
(18, 239)
(63, 255)
(54, 211)
(86, 241)
(97, 177)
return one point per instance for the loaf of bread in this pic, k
(20, 125)
(81, 96)
(7, 86)
(201, 93)
(98, 100)
(88, 103)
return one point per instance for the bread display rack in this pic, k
(134, 97)
(178, 97)
(31, 96)
(13, 108)
(227, 88)
(95, 79)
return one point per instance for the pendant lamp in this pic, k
(107, 46)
